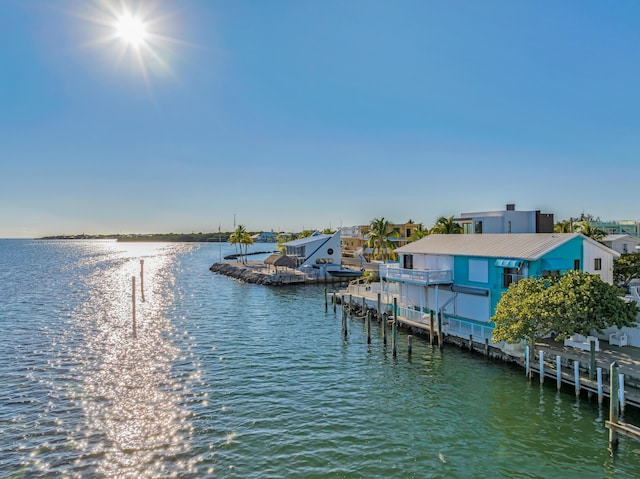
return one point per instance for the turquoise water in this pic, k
(234, 380)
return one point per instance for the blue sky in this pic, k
(301, 114)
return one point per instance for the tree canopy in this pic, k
(419, 231)
(626, 268)
(575, 303)
(380, 234)
(444, 225)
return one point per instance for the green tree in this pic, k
(327, 231)
(305, 234)
(241, 239)
(563, 226)
(419, 232)
(626, 268)
(576, 302)
(379, 239)
(587, 229)
(444, 225)
(520, 311)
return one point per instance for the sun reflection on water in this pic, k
(134, 423)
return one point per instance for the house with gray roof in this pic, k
(463, 276)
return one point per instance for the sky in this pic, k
(290, 115)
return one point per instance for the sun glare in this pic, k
(131, 30)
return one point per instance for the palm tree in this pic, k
(563, 226)
(418, 232)
(589, 230)
(239, 238)
(305, 234)
(380, 234)
(446, 226)
(245, 240)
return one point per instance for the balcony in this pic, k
(415, 276)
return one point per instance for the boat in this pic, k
(345, 273)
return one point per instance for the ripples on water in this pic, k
(234, 380)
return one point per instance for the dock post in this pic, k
(334, 301)
(326, 302)
(383, 323)
(440, 345)
(614, 412)
(344, 321)
(471, 342)
(592, 359)
(364, 304)
(600, 392)
(350, 305)
(432, 336)
(368, 326)
(559, 372)
(576, 376)
(541, 367)
(486, 347)
(379, 312)
(142, 280)
(621, 393)
(133, 306)
(394, 328)
(527, 362)
(409, 344)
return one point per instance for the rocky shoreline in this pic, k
(250, 273)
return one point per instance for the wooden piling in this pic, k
(440, 345)
(334, 301)
(142, 280)
(350, 305)
(614, 412)
(326, 301)
(486, 347)
(344, 321)
(541, 354)
(527, 362)
(383, 323)
(600, 390)
(576, 376)
(621, 394)
(592, 359)
(394, 328)
(379, 312)
(432, 336)
(364, 304)
(133, 306)
(558, 372)
(409, 344)
(368, 326)
(471, 342)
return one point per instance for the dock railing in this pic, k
(423, 276)
(466, 329)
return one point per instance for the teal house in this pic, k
(464, 276)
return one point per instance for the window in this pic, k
(330, 251)
(478, 227)
(511, 275)
(408, 232)
(407, 261)
(597, 264)
(576, 264)
(478, 270)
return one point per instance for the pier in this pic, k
(258, 273)
(586, 372)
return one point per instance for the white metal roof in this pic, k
(307, 240)
(529, 246)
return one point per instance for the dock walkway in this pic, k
(627, 357)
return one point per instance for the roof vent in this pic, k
(511, 207)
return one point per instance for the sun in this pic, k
(131, 30)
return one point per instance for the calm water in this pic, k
(242, 381)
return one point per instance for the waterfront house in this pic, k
(354, 239)
(463, 276)
(507, 221)
(623, 243)
(624, 227)
(318, 251)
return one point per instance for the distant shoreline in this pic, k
(156, 237)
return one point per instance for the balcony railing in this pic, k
(393, 273)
